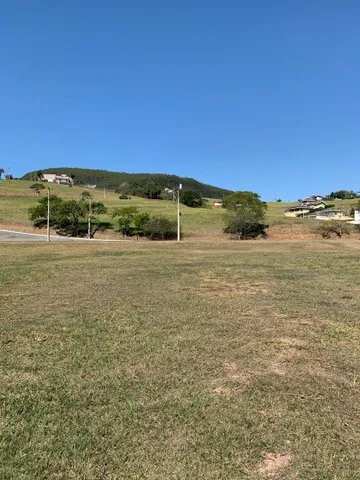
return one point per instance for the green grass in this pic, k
(190, 361)
(16, 198)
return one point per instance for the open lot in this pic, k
(212, 360)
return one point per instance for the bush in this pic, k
(191, 199)
(160, 228)
(245, 230)
(327, 228)
(37, 187)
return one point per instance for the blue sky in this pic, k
(249, 95)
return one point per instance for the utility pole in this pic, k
(48, 216)
(89, 220)
(178, 212)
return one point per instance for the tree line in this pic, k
(79, 218)
(142, 183)
(245, 214)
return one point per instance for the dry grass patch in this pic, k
(274, 464)
(212, 283)
(118, 365)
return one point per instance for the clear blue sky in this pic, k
(250, 95)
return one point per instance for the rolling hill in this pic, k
(111, 180)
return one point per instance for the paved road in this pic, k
(10, 236)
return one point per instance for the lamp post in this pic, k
(89, 219)
(48, 217)
(178, 212)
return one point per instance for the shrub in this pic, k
(244, 227)
(160, 228)
(327, 228)
(191, 199)
(37, 187)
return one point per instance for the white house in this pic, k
(60, 179)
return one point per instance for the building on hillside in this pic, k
(331, 214)
(217, 204)
(59, 179)
(296, 211)
(314, 198)
(356, 220)
(48, 177)
(313, 204)
(304, 208)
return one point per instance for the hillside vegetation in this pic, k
(16, 197)
(112, 180)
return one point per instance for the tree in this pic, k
(160, 228)
(328, 227)
(125, 190)
(8, 176)
(85, 195)
(37, 187)
(39, 175)
(151, 190)
(245, 215)
(139, 222)
(68, 217)
(125, 219)
(279, 200)
(342, 195)
(248, 199)
(131, 221)
(245, 224)
(1, 172)
(191, 198)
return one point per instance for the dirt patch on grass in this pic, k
(222, 391)
(288, 349)
(274, 464)
(213, 285)
(232, 380)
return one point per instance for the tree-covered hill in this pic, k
(112, 180)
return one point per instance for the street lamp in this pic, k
(178, 212)
(89, 219)
(48, 216)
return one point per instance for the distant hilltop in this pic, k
(113, 180)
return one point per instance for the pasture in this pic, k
(211, 360)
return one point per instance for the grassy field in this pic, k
(231, 360)
(16, 198)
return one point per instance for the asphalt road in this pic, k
(10, 236)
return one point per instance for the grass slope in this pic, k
(166, 361)
(16, 197)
